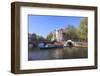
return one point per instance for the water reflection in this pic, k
(62, 53)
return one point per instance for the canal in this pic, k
(58, 53)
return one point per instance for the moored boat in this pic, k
(50, 46)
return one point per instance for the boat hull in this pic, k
(51, 47)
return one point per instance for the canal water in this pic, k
(58, 53)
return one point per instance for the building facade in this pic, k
(58, 35)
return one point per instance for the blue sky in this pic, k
(43, 24)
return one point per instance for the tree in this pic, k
(33, 37)
(50, 36)
(70, 33)
(40, 38)
(83, 29)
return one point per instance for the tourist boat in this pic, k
(68, 43)
(50, 47)
(42, 46)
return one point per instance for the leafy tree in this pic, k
(40, 38)
(50, 36)
(70, 33)
(83, 29)
(34, 37)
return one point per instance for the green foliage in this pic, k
(50, 36)
(83, 29)
(35, 37)
(70, 33)
(79, 33)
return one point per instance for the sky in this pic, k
(42, 24)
